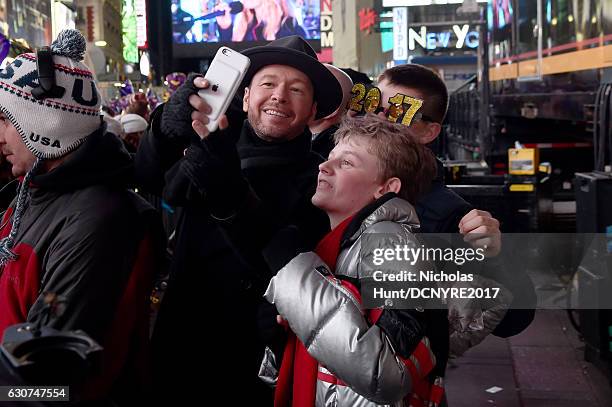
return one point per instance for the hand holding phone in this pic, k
(201, 110)
(224, 76)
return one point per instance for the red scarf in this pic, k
(297, 379)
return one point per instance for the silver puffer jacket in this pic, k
(358, 365)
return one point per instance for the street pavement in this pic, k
(543, 366)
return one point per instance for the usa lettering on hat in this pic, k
(54, 126)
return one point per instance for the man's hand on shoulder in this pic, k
(481, 229)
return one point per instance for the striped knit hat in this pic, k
(50, 127)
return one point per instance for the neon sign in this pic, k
(140, 7)
(367, 20)
(460, 36)
(327, 23)
(410, 3)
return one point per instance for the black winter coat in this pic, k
(440, 211)
(208, 319)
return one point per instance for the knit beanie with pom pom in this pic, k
(51, 126)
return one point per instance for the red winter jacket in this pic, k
(85, 237)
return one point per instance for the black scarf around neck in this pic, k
(255, 152)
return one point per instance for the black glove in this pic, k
(176, 117)
(213, 166)
(403, 329)
(271, 333)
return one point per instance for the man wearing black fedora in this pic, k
(234, 189)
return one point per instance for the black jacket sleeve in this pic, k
(262, 231)
(87, 266)
(519, 315)
(403, 329)
(440, 212)
(156, 155)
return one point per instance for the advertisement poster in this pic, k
(27, 19)
(3, 18)
(213, 21)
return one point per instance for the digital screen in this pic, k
(27, 19)
(129, 24)
(226, 21)
(61, 17)
(3, 18)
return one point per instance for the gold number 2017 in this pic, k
(358, 92)
(371, 102)
(398, 111)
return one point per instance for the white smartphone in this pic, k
(225, 75)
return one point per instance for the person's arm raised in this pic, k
(170, 132)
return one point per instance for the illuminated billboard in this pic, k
(141, 24)
(226, 21)
(411, 3)
(327, 32)
(27, 19)
(3, 17)
(129, 23)
(61, 17)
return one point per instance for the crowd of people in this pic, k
(263, 297)
(130, 124)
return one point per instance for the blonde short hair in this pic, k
(398, 151)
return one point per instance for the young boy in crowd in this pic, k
(368, 185)
(340, 350)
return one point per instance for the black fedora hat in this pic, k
(295, 52)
